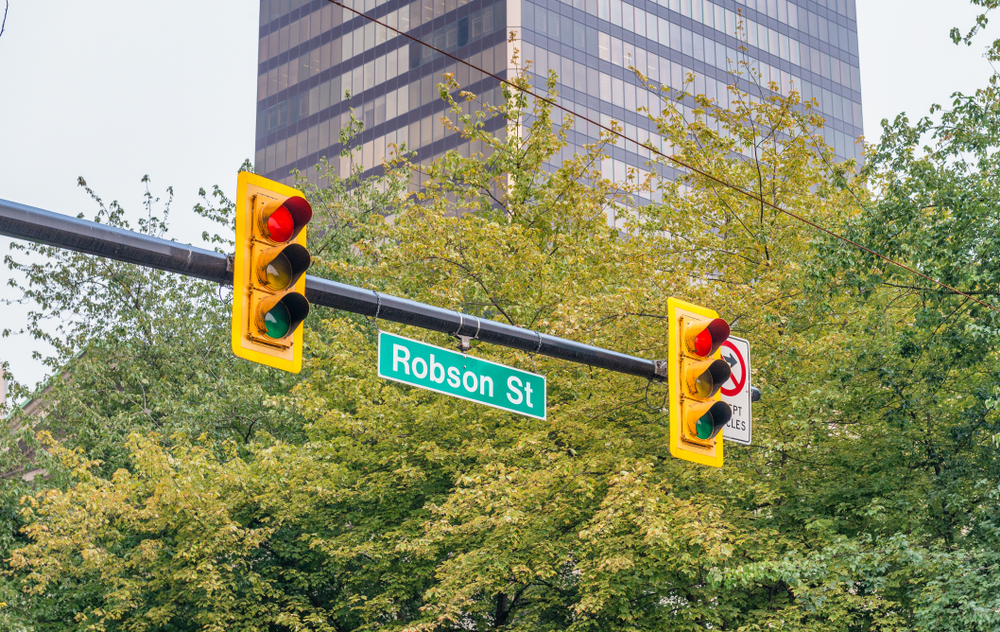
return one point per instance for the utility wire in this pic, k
(673, 159)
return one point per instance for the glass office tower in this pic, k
(313, 53)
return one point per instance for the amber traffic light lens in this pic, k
(704, 385)
(711, 375)
(278, 272)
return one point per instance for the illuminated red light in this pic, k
(707, 341)
(703, 343)
(280, 225)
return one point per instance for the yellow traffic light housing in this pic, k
(269, 283)
(696, 372)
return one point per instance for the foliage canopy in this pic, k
(868, 501)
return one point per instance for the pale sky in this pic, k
(117, 89)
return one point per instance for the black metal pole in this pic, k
(45, 227)
(41, 226)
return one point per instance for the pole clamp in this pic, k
(662, 369)
(465, 342)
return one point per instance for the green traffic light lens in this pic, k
(278, 272)
(705, 426)
(277, 321)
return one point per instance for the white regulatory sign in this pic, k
(736, 390)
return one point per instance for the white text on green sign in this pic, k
(459, 375)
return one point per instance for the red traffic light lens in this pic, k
(703, 343)
(282, 221)
(708, 340)
(280, 225)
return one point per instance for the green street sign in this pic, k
(459, 375)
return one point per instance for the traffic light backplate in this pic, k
(696, 371)
(269, 280)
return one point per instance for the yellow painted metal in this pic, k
(250, 294)
(683, 404)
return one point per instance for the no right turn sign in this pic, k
(736, 390)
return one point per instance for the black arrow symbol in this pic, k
(730, 360)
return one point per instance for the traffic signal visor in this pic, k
(269, 302)
(696, 372)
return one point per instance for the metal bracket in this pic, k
(465, 342)
(230, 267)
(662, 369)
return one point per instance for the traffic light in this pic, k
(696, 372)
(269, 283)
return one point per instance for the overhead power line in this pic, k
(674, 159)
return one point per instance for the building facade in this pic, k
(318, 62)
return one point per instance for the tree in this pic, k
(401, 509)
(868, 501)
(930, 411)
(139, 349)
